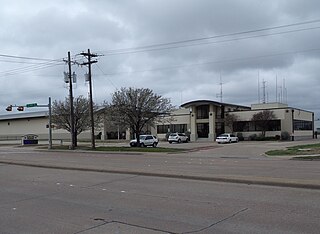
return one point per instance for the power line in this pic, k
(29, 58)
(45, 63)
(212, 42)
(161, 46)
(20, 62)
(105, 75)
(214, 62)
(29, 68)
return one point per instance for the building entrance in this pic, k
(203, 130)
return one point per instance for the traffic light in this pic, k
(9, 108)
(20, 108)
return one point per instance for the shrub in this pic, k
(285, 136)
(263, 138)
(260, 137)
(240, 136)
(253, 137)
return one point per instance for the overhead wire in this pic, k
(211, 42)
(106, 75)
(190, 42)
(214, 62)
(162, 46)
(29, 58)
(34, 65)
(30, 68)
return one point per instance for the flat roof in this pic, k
(24, 115)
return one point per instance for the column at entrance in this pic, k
(212, 123)
(193, 126)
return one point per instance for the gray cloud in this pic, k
(49, 29)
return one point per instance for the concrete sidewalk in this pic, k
(209, 164)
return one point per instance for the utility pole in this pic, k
(50, 124)
(73, 143)
(89, 56)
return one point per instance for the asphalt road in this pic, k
(243, 162)
(40, 200)
(159, 193)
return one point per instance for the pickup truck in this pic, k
(226, 138)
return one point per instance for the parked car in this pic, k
(178, 137)
(145, 140)
(227, 138)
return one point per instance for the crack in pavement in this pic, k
(111, 181)
(124, 223)
(220, 221)
(104, 222)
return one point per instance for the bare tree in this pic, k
(229, 120)
(61, 115)
(263, 119)
(138, 107)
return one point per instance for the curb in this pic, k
(265, 181)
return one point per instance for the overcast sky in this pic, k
(181, 49)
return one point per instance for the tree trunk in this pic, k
(138, 136)
(75, 139)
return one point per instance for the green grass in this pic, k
(309, 158)
(310, 149)
(139, 149)
(122, 149)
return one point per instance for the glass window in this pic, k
(162, 129)
(220, 112)
(249, 126)
(302, 125)
(203, 112)
(203, 130)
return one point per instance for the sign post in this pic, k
(50, 119)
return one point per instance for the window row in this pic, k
(249, 126)
(302, 125)
(203, 112)
(162, 129)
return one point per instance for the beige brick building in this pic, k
(205, 120)
(202, 120)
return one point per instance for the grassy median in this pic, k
(122, 149)
(139, 149)
(309, 152)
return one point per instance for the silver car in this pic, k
(145, 140)
(178, 138)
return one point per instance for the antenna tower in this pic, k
(220, 95)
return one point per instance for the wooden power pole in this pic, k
(89, 56)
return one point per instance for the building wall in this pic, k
(179, 116)
(16, 128)
(286, 116)
(10, 128)
(20, 127)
